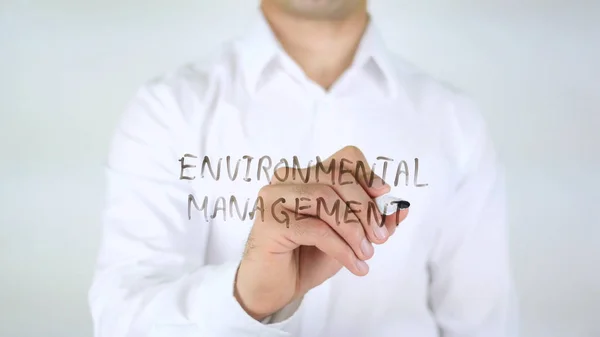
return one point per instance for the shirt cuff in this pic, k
(284, 314)
(226, 317)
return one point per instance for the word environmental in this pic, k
(336, 172)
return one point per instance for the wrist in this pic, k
(245, 300)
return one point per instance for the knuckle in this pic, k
(353, 152)
(347, 176)
(348, 254)
(322, 231)
(326, 191)
(367, 209)
(352, 149)
(265, 191)
(356, 233)
(303, 190)
(280, 174)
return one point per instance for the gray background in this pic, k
(67, 68)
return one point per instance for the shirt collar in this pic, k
(259, 48)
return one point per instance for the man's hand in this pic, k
(311, 229)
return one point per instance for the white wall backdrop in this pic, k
(67, 67)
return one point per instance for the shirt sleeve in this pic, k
(471, 289)
(151, 277)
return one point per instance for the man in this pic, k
(310, 89)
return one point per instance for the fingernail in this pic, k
(381, 232)
(362, 266)
(366, 247)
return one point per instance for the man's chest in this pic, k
(241, 148)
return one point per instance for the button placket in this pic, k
(325, 124)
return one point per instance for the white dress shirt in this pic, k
(166, 269)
